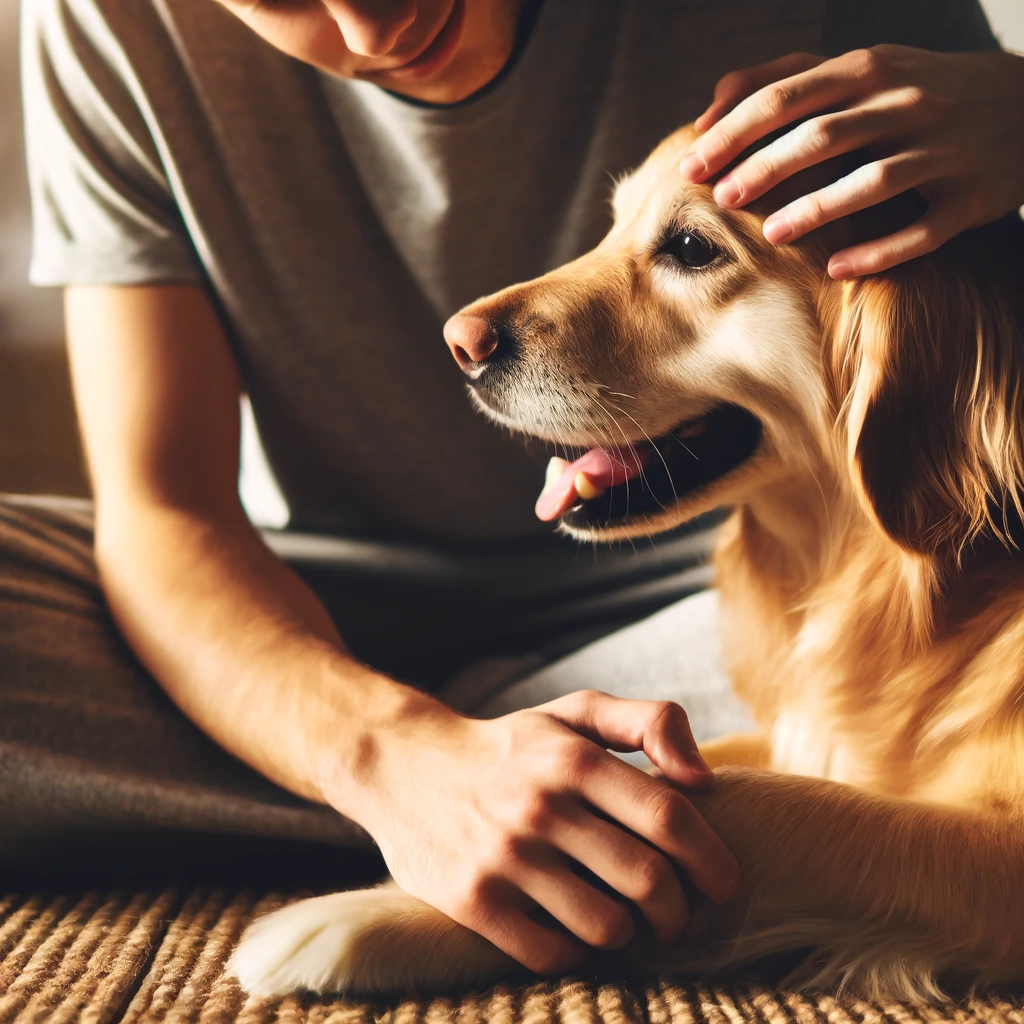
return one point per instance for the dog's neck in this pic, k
(810, 528)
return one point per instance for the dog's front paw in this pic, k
(374, 941)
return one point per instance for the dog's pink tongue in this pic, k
(602, 468)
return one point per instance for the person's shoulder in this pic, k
(133, 21)
(153, 44)
(70, 29)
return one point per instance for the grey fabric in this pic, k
(94, 754)
(671, 655)
(337, 226)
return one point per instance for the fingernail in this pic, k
(693, 167)
(727, 193)
(778, 229)
(840, 269)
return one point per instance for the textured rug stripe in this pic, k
(147, 958)
(66, 961)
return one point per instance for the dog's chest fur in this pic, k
(853, 682)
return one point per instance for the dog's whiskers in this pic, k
(610, 418)
(668, 472)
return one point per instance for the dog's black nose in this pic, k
(472, 340)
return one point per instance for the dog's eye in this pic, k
(692, 250)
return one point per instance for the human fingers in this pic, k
(808, 143)
(739, 84)
(659, 728)
(836, 82)
(926, 234)
(659, 814)
(592, 916)
(863, 187)
(497, 912)
(629, 866)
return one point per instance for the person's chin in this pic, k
(466, 74)
(485, 49)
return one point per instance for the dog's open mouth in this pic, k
(612, 485)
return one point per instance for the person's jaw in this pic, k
(485, 31)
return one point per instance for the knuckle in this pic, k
(883, 177)
(582, 759)
(915, 98)
(811, 210)
(587, 700)
(820, 134)
(470, 903)
(536, 816)
(871, 63)
(666, 714)
(651, 873)
(774, 101)
(505, 852)
(607, 928)
(668, 812)
(667, 709)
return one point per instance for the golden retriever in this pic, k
(868, 436)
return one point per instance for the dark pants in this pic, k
(97, 764)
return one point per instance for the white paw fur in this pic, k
(376, 941)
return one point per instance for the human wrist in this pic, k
(358, 738)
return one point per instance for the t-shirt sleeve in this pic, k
(103, 211)
(941, 25)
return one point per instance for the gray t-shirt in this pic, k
(337, 226)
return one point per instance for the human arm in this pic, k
(946, 124)
(473, 817)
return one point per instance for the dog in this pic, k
(868, 435)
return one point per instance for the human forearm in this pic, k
(244, 647)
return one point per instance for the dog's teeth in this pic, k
(585, 487)
(691, 428)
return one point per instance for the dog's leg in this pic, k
(890, 892)
(370, 941)
(382, 940)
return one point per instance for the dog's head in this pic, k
(706, 365)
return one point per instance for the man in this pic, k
(287, 198)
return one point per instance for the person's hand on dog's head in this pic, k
(946, 125)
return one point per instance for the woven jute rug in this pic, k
(143, 957)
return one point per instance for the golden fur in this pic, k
(872, 593)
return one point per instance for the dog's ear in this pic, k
(928, 364)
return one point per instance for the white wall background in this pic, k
(1007, 17)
